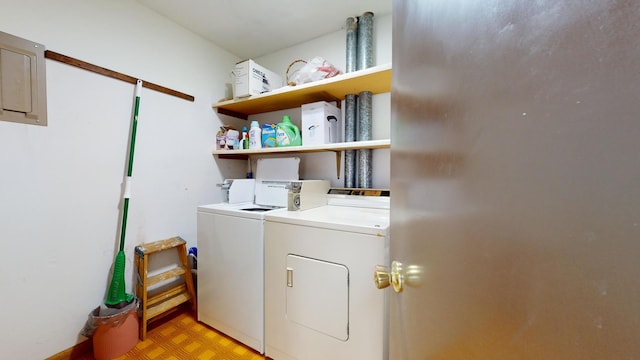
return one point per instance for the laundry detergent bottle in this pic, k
(287, 134)
(255, 136)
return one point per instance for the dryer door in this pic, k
(318, 295)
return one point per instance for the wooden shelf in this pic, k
(376, 79)
(337, 147)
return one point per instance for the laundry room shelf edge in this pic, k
(370, 144)
(376, 79)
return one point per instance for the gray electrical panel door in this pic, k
(22, 81)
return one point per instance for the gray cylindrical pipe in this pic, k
(350, 168)
(364, 169)
(365, 112)
(350, 117)
(365, 41)
(364, 132)
(352, 44)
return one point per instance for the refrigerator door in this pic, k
(515, 173)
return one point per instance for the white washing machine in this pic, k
(321, 301)
(231, 253)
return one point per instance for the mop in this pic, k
(116, 295)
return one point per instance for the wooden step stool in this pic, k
(163, 301)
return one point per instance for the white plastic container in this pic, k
(255, 136)
(232, 140)
(321, 123)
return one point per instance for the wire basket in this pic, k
(293, 83)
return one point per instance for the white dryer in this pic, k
(320, 298)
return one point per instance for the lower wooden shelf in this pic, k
(338, 148)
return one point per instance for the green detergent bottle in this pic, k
(287, 134)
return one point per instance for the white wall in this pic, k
(60, 185)
(332, 47)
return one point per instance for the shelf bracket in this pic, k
(338, 160)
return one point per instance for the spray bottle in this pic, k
(245, 138)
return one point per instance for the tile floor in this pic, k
(180, 337)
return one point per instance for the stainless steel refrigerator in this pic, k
(515, 174)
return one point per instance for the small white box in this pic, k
(321, 123)
(253, 79)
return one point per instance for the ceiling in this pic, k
(252, 28)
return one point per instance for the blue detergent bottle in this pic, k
(287, 134)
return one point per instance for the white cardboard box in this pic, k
(253, 79)
(321, 123)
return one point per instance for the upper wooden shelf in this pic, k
(376, 79)
(337, 147)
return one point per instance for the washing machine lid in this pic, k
(278, 168)
(272, 178)
(247, 210)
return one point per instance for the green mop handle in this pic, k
(116, 294)
(127, 187)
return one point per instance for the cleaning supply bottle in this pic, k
(255, 136)
(245, 138)
(287, 134)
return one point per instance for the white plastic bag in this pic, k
(315, 69)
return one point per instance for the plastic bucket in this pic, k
(116, 337)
